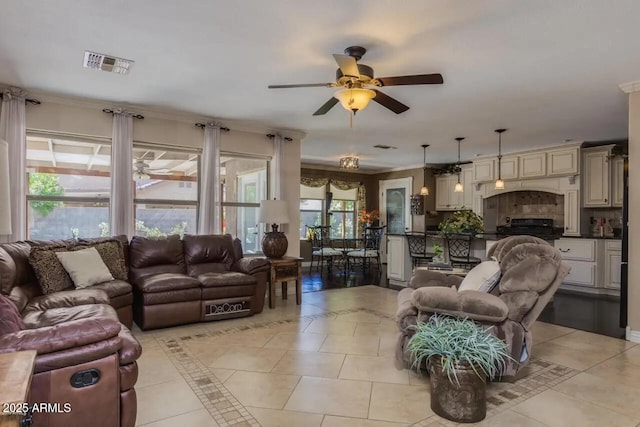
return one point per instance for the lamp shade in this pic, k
(355, 99)
(5, 195)
(273, 212)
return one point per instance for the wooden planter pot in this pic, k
(463, 403)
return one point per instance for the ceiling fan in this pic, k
(142, 169)
(358, 85)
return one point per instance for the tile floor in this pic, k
(330, 363)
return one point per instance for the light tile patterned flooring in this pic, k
(330, 363)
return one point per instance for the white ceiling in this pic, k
(548, 70)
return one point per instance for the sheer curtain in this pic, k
(277, 173)
(209, 221)
(121, 203)
(13, 129)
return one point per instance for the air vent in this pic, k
(99, 61)
(385, 147)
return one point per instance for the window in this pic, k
(310, 215)
(245, 183)
(343, 213)
(343, 219)
(311, 207)
(69, 183)
(166, 191)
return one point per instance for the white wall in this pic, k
(86, 118)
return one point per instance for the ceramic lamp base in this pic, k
(274, 244)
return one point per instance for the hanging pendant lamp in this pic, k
(499, 182)
(458, 188)
(424, 191)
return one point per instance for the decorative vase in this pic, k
(464, 401)
(438, 259)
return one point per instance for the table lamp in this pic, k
(274, 242)
(5, 200)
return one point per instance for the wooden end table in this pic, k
(283, 269)
(16, 370)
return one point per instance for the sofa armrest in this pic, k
(429, 278)
(475, 305)
(68, 335)
(250, 265)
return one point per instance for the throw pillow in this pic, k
(112, 254)
(483, 277)
(10, 320)
(51, 275)
(85, 267)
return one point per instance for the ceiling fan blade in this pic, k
(300, 85)
(419, 79)
(389, 102)
(347, 65)
(326, 107)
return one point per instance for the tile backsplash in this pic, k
(524, 204)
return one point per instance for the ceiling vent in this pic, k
(385, 147)
(99, 61)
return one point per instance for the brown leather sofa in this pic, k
(199, 278)
(85, 356)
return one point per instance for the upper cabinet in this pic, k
(533, 165)
(446, 197)
(596, 177)
(563, 162)
(617, 181)
(483, 170)
(536, 164)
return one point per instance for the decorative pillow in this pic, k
(483, 277)
(10, 320)
(112, 254)
(85, 267)
(51, 275)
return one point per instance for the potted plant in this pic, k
(461, 355)
(463, 221)
(437, 254)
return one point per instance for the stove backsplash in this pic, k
(523, 204)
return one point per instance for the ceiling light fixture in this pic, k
(459, 188)
(354, 100)
(424, 191)
(499, 182)
(349, 162)
(138, 176)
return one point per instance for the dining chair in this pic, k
(370, 249)
(321, 247)
(417, 241)
(459, 249)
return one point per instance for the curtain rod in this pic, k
(286, 138)
(203, 125)
(135, 116)
(27, 100)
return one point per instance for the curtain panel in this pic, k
(121, 202)
(13, 129)
(209, 210)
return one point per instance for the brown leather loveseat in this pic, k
(85, 356)
(198, 278)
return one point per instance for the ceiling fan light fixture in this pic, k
(138, 176)
(354, 99)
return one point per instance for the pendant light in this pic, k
(458, 188)
(499, 182)
(424, 191)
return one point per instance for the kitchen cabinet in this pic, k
(572, 213)
(533, 165)
(508, 168)
(582, 256)
(596, 181)
(399, 267)
(612, 263)
(563, 162)
(446, 197)
(617, 181)
(483, 170)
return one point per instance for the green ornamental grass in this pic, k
(456, 341)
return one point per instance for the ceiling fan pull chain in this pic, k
(351, 119)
